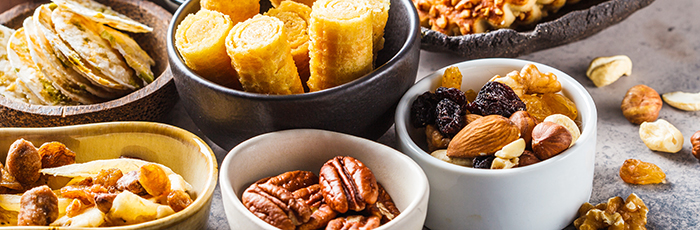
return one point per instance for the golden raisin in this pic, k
(153, 179)
(560, 104)
(634, 171)
(55, 154)
(536, 106)
(452, 78)
(470, 94)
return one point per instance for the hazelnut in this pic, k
(567, 123)
(695, 141)
(527, 158)
(525, 123)
(549, 139)
(641, 103)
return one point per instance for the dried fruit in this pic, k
(449, 119)
(423, 110)
(484, 136)
(606, 70)
(549, 139)
(661, 136)
(54, 154)
(452, 78)
(178, 200)
(496, 98)
(695, 142)
(441, 154)
(641, 103)
(527, 158)
(470, 95)
(567, 123)
(560, 104)
(347, 184)
(634, 171)
(684, 101)
(615, 214)
(154, 180)
(483, 162)
(23, 162)
(453, 94)
(536, 106)
(525, 123)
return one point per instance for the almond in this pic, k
(483, 136)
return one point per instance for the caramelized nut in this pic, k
(23, 162)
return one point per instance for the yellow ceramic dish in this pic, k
(180, 150)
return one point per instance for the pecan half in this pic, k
(319, 218)
(347, 184)
(354, 222)
(311, 195)
(293, 180)
(276, 205)
(384, 207)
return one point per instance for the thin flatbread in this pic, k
(79, 33)
(135, 57)
(10, 86)
(27, 71)
(67, 56)
(103, 14)
(55, 72)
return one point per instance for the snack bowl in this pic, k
(274, 153)
(545, 195)
(363, 107)
(149, 103)
(571, 23)
(183, 152)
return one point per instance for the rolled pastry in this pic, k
(277, 3)
(237, 10)
(341, 43)
(200, 38)
(380, 14)
(261, 55)
(296, 23)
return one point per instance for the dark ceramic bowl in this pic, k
(149, 103)
(572, 23)
(363, 107)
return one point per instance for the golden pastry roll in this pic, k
(341, 43)
(296, 23)
(380, 14)
(277, 3)
(200, 38)
(237, 10)
(261, 55)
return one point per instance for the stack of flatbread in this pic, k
(71, 52)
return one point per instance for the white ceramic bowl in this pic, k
(545, 195)
(307, 149)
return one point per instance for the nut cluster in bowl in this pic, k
(347, 190)
(515, 120)
(545, 195)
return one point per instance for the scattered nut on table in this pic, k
(683, 101)
(606, 70)
(615, 214)
(549, 139)
(641, 103)
(695, 141)
(661, 136)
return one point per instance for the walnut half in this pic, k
(615, 214)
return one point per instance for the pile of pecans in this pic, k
(346, 195)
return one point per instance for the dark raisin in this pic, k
(496, 98)
(453, 94)
(483, 162)
(449, 119)
(423, 110)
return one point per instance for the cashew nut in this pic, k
(606, 70)
(682, 100)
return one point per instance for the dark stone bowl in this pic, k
(363, 107)
(149, 103)
(572, 23)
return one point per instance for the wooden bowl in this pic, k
(149, 103)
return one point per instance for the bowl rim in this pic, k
(138, 127)
(369, 78)
(588, 122)
(227, 188)
(76, 110)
